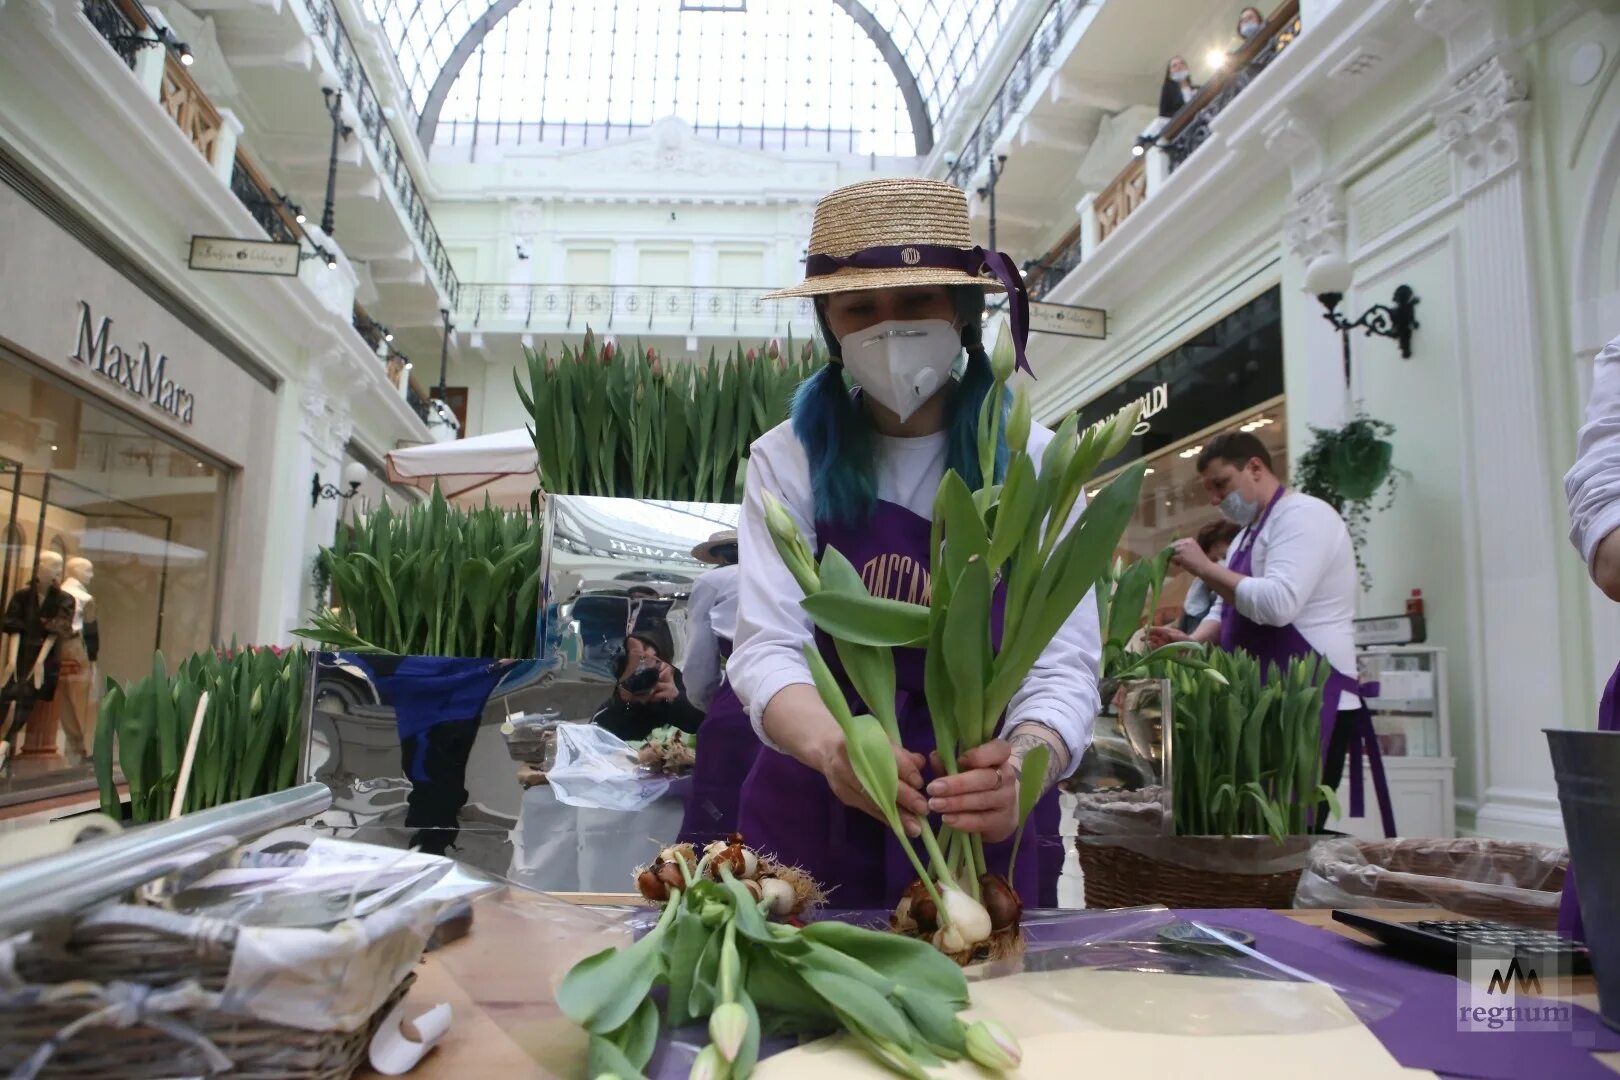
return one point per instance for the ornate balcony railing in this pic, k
(1185, 133)
(1190, 128)
(254, 192)
(190, 108)
(672, 308)
(1036, 54)
(114, 24)
(392, 163)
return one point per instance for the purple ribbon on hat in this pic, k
(974, 261)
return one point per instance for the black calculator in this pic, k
(1439, 942)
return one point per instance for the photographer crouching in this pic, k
(650, 694)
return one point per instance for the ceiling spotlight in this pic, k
(185, 55)
(53, 447)
(1138, 150)
(331, 261)
(299, 216)
(388, 335)
(1215, 58)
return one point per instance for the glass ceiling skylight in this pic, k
(846, 76)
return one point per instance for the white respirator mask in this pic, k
(902, 363)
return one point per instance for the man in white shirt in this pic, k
(1287, 590)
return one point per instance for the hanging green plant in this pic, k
(1345, 467)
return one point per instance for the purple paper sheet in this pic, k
(1422, 1031)
(1419, 1028)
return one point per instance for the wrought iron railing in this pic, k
(357, 86)
(1190, 128)
(683, 307)
(111, 22)
(1036, 54)
(261, 201)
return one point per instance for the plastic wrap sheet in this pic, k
(597, 769)
(1081, 970)
(1517, 882)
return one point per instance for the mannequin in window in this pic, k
(37, 617)
(78, 655)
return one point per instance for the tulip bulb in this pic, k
(967, 923)
(780, 894)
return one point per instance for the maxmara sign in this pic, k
(137, 371)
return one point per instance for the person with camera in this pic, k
(650, 694)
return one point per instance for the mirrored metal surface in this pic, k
(450, 755)
(1126, 773)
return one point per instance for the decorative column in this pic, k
(1314, 228)
(324, 427)
(1521, 632)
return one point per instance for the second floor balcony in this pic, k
(697, 311)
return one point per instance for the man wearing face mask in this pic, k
(1287, 590)
(899, 289)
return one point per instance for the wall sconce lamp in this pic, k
(1328, 279)
(354, 474)
(165, 37)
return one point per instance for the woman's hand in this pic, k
(1160, 636)
(835, 766)
(983, 797)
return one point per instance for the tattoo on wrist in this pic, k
(1022, 741)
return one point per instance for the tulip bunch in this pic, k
(433, 580)
(249, 743)
(719, 956)
(629, 423)
(1012, 537)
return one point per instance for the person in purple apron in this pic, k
(1287, 590)
(899, 291)
(1592, 487)
(729, 744)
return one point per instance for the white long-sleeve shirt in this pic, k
(1303, 574)
(1592, 484)
(1060, 690)
(711, 614)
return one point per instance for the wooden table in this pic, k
(499, 987)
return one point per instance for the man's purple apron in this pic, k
(1569, 908)
(727, 747)
(1280, 645)
(788, 809)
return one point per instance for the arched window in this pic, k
(844, 76)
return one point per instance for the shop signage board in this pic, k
(135, 370)
(1224, 371)
(227, 255)
(1068, 320)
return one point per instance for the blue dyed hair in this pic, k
(838, 438)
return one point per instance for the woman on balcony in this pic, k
(899, 289)
(1178, 89)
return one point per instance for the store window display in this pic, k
(132, 524)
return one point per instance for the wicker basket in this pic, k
(125, 973)
(1192, 871)
(1502, 880)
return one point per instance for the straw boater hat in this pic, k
(881, 234)
(704, 552)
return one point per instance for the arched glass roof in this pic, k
(855, 76)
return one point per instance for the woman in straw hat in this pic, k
(729, 742)
(899, 290)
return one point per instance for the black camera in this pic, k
(643, 679)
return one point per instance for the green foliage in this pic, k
(1344, 468)
(434, 580)
(1248, 758)
(250, 741)
(632, 424)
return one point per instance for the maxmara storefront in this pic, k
(133, 441)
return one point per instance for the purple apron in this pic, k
(1280, 645)
(1569, 908)
(787, 807)
(727, 746)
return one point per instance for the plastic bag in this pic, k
(1504, 880)
(597, 769)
